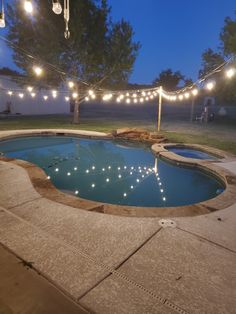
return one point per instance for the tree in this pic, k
(210, 61)
(228, 37)
(98, 51)
(225, 89)
(169, 80)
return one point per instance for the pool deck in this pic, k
(89, 262)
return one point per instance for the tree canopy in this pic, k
(170, 80)
(97, 50)
(225, 89)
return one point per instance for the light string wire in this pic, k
(142, 93)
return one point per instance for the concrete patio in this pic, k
(97, 263)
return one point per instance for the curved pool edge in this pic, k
(47, 190)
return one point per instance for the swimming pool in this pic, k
(113, 172)
(191, 152)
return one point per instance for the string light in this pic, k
(21, 95)
(28, 6)
(230, 73)
(107, 97)
(75, 95)
(45, 97)
(86, 98)
(67, 98)
(33, 95)
(210, 85)
(194, 92)
(30, 88)
(71, 84)
(10, 93)
(38, 70)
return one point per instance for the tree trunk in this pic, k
(76, 112)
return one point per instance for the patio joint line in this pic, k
(139, 247)
(207, 240)
(24, 203)
(97, 264)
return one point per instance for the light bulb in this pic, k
(28, 6)
(30, 88)
(210, 85)
(71, 84)
(86, 98)
(75, 95)
(195, 92)
(56, 7)
(21, 95)
(2, 20)
(67, 98)
(33, 95)
(37, 70)
(45, 97)
(230, 72)
(10, 93)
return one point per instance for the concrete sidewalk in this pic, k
(22, 290)
(112, 264)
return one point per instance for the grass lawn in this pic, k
(219, 135)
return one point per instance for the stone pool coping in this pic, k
(46, 189)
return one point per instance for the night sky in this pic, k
(173, 33)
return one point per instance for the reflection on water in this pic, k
(113, 172)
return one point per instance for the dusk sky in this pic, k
(173, 33)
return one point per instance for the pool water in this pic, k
(191, 153)
(113, 172)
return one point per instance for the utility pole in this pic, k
(159, 110)
(76, 107)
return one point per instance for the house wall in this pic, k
(29, 105)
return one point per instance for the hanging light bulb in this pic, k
(210, 85)
(230, 73)
(30, 88)
(56, 6)
(28, 6)
(10, 93)
(75, 95)
(194, 92)
(37, 70)
(45, 97)
(71, 84)
(2, 17)
(67, 98)
(33, 95)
